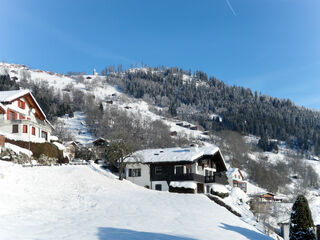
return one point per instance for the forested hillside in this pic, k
(214, 105)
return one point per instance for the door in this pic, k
(200, 188)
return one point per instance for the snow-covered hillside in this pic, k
(97, 85)
(84, 202)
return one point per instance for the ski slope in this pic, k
(85, 202)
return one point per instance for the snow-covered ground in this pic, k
(84, 202)
(78, 128)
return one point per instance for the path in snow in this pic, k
(78, 128)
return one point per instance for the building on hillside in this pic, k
(236, 179)
(21, 115)
(267, 197)
(186, 170)
(71, 148)
(99, 148)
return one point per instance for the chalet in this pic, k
(99, 149)
(191, 170)
(21, 115)
(235, 179)
(267, 197)
(71, 148)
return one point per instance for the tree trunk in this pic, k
(121, 172)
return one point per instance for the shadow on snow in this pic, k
(250, 234)
(125, 234)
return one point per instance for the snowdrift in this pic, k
(85, 202)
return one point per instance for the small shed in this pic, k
(284, 229)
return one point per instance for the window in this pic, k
(21, 116)
(21, 104)
(135, 172)
(15, 128)
(11, 115)
(33, 131)
(14, 116)
(178, 170)
(158, 187)
(44, 135)
(188, 169)
(25, 129)
(158, 170)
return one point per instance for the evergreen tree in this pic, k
(263, 142)
(301, 223)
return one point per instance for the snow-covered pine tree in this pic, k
(301, 223)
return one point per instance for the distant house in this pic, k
(235, 179)
(188, 170)
(100, 145)
(267, 197)
(173, 133)
(21, 115)
(71, 148)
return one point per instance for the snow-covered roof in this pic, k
(3, 107)
(231, 171)
(173, 154)
(7, 96)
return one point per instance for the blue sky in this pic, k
(272, 46)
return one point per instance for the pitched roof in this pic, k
(173, 154)
(8, 96)
(2, 108)
(232, 171)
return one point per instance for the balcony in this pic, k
(209, 179)
(37, 123)
(187, 177)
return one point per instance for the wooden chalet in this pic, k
(178, 169)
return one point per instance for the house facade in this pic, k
(236, 179)
(191, 169)
(21, 115)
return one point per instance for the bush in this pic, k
(181, 190)
(219, 194)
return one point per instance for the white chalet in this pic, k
(21, 115)
(235, 179)
(190, 170)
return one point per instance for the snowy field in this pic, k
(84, 202)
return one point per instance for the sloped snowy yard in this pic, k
(84, 202)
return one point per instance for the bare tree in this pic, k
(117, 153)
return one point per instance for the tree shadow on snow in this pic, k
(125, 234)
(250, 234)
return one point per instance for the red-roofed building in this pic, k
(21, 115)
